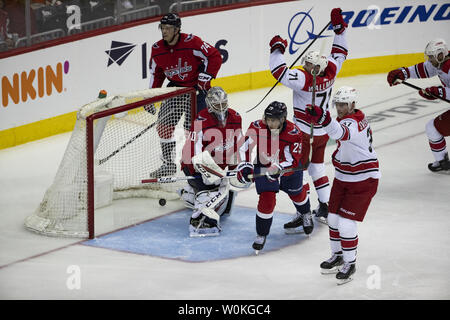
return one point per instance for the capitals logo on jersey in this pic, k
(179, 70)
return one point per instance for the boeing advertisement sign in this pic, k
(302, 28)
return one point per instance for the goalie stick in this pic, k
(420, 89)
(228, 175)
(292, 65)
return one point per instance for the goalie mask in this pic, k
(275, 111)
(217, 103)
(315, 59)
(436, 50)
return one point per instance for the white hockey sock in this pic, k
(322, 187)
(349, 239)
(436, 141)
(335, 239)
(318, 174)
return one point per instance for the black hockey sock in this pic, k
(263, 226)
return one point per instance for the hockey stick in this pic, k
(101, 161)
(420, 89)
(228, 175)
(313, 100)
(293, 63)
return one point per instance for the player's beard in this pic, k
(275, 132)
(169, 42)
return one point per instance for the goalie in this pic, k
(209, 150)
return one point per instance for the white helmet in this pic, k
(316, 59)
(434, 48)
(344, 94)
(217, 103)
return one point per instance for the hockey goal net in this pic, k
(117, 141)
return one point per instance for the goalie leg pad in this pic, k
(206, 224)
(209, 204)
(187, 195)
(228, 207)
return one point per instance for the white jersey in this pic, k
(427, 70)
(354, 159)
(300, 82)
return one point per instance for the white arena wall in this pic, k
(42, 89)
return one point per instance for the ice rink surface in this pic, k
(403, 242)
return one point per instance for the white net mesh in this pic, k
(129, 146)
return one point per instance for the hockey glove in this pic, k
(337, 21)
(432, 93)
(397, 74)
(317, 115)
(244, 169)
(278, 42)
(273, 172)
(204, 81)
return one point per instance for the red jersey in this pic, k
(221, 142)
(284, 148)
(182, 63)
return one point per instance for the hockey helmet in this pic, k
(172, 19)
(437, 49)
(344, 94)
(315, 58)
(217, 103)
(276, 110)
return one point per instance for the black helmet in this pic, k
(172, 19)
(276, 110)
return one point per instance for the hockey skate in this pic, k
(345, 273)
(321, 213)
(308, 224)
(442, 166)
(330, 266)
(202, 226)
(167, 169)
(259, 243)
(292, 227)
